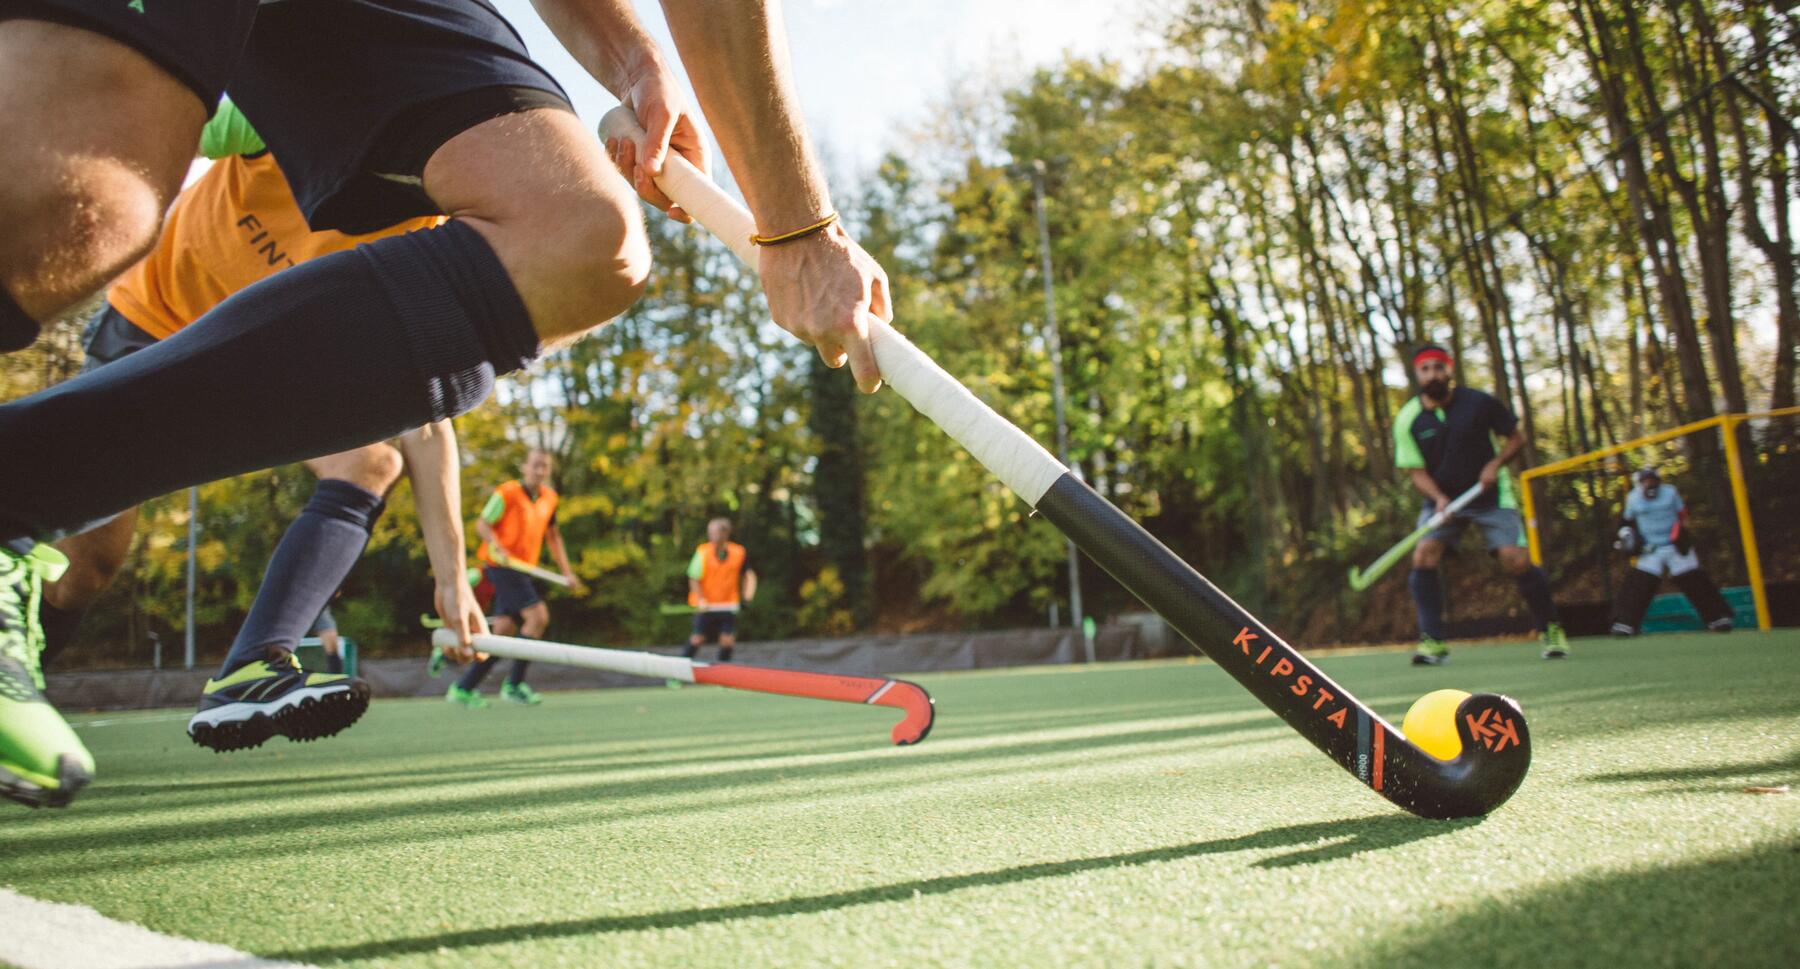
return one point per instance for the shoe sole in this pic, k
(71, 777)
(1430, 660)
(313, 713)
(1556, 654)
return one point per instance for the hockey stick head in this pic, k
(1494, 758)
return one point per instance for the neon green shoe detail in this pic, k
(520, 693)
(262, 699)
(468, 699)
(434, 667)
(1556, 642)
(1431, 652)
(42, 762)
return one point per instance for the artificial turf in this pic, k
(1145, 814)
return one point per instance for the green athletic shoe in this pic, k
(520, 693)
(435, 665)
(42, 762)
(468, 699)
(1556, 642)
(263, 698)
(1431, 652)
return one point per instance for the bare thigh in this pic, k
(562, 220)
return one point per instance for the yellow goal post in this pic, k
(1740, 497)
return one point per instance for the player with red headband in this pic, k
(1450, 438)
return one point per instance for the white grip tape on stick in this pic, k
(1011, 454)
(628, 661)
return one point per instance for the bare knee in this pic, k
(1427, 554)
(111, 138)
(537, 619)
(1514, 560)
(562, 220)
(374, 468)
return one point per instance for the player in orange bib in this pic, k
(235, 226)
(515, 525)
(720, 581)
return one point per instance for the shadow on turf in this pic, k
(1318, 842)
(1735, 911)
(1773, 771)
(186, 840)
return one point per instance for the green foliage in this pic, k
(1248, 230)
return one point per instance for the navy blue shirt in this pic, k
(1454, 442)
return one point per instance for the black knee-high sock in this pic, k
(1534, 585)
(477, 671)
(724, 654)
(1700, 590)
(1428, 600)
(517, 675)
(334, 662)
(1633, 600)
(17, 329)
(333, 354)
(315, 554)
(690, 651)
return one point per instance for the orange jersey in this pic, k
(719, 576)
(520, 522)
(235, 226)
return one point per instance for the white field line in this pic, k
(51, 935)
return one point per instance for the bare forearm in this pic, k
(1421, 480)
(1511, 448)
(431, 463)
(736, 56)
(605, 38)
(558, 552)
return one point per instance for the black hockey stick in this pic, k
(1496, 746)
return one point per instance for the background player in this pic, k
(1445, 437)
(515, 525)
(720, 581)
(326, 630)
(1654, 528)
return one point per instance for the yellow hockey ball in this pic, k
(1431, 723)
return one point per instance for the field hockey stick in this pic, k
(909, 698)
(554, 578)
(1495, 744)
(1360, 580)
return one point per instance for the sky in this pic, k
(865, 68)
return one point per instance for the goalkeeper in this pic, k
(1655, 530)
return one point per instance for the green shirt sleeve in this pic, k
(1406, 450)
(495, 507)
(696, 566)
(229, 133)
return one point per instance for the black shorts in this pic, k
(325, 621)
(352, 96)
(710, 626)
(109, 336)
(514, 592)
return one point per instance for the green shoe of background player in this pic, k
(263, 698)
(469, 699)
(434, 667)
(1431, 652)
(1556, 642)
(520, 693)
(42, 762)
